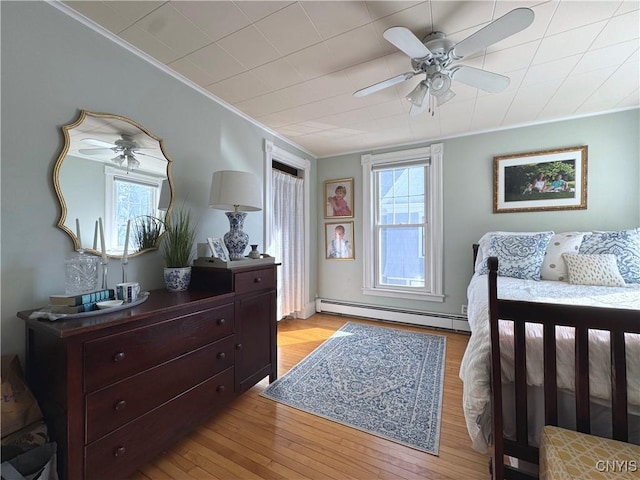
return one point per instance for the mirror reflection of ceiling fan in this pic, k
(125, 148)
(434, 55)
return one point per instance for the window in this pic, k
(129, 195)
(403, 224)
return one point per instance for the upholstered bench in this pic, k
(565, 454)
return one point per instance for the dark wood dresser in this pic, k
(118, 388)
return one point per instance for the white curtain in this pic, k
(289, 242)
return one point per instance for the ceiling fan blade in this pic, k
(406, 41)
(474, 77)
(148, 155)
(513, 22)
(98, 143)
(95, 151)
(384, 84)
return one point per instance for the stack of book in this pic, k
(84, 302)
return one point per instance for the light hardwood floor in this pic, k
(257, 438)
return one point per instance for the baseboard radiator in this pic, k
(415, 317)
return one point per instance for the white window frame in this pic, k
(434, 289)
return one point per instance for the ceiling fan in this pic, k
(125, 147)
(435, 54)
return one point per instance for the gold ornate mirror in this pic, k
(112, 168)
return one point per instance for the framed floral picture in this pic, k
(339, 240)
(338, 196)
(218, 248)
(538, 181)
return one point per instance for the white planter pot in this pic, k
(177, 279)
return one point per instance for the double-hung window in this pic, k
(402, 224)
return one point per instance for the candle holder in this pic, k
(124, 271)
(105, 264)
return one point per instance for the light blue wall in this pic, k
(53, 66)
(613, 198)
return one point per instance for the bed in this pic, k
(553, 301)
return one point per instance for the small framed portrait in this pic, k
(538, 181)
(338, 196)
(339, 240)
(218, 248)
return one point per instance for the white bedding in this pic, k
(475, 367)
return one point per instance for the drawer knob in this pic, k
(238, 346)
(118, 357)
(221, 321)
(119, 405)
(257, 280)
(221, 356)
(220, 388)
(119, 451)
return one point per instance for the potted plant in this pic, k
(177, 250)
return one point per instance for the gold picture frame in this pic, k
(338, 195)
(540, 181)
(339, 237)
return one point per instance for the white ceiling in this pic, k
(293, 66)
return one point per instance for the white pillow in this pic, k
(599, 269)
(483, 247)
(553, 266)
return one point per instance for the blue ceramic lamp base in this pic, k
(235, 239)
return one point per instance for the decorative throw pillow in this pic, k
(553, 266)
(625, 245)
(483, 247)
(519, 256)
(598, 269)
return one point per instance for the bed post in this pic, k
(497, 456)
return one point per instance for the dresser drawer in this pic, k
(113, 406)
(121, 452)
(246, 282)
(116, 357)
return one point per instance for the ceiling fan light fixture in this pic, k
(132, 162)
(416, 110)
(440, 84)
(418, 94)
(118, 159)
(445, 97)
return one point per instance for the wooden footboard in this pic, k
(582, 319)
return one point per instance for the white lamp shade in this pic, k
(165, 196)
(235, 191)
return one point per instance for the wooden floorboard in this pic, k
(257, 438)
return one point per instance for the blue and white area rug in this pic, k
(381, 380)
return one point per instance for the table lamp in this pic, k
(240, 192)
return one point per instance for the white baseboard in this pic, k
(415, 317)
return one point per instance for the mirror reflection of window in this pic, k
(129, 196)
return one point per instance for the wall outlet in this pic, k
(463, 310)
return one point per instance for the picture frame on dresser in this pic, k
(218, 248)
(545, 180)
